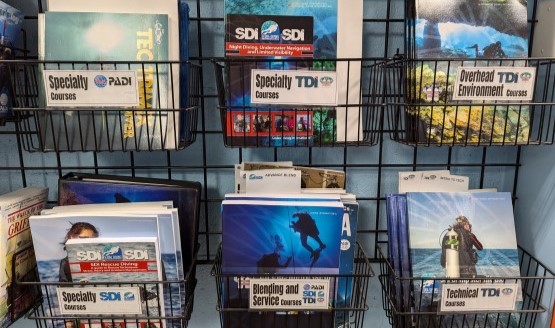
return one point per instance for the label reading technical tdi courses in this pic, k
(91, 88)
(495, 83)
(478, 297)
(289, 294)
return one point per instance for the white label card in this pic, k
(495, 83)
(91, 88)
(301, 87)
(289, 294)
(99, 300)
(274, 181)
(478, 297)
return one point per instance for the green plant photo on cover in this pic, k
(444, 121)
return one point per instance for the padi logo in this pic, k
(100, 81)
(326, 81)
(119, 81)
(128, 296)
(526, 76)
(306, 287)
(253, 176)
(269, 31)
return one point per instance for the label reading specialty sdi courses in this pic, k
(286, 87)
(478, 297)
(99, 300)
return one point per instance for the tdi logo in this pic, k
(507, 77)
(110, 296)
(490, 292)
(309, 297)
(307, 81)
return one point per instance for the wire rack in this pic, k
(297, 125)
(423, 113)
(172, 310)
(233, 299)
(162, 126)
(371, 171)
(409, 303)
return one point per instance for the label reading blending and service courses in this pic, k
(495, 83)
(284, 87)
(289, 294)
(99, 300)
(478, 297)
(88, 88)
(266, 35)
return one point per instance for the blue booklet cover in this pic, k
(277, 238)
(481, 223)
(83, 188)
(344, 292)
(11, 20)
(281, 237)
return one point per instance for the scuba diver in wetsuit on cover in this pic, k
(306, 226)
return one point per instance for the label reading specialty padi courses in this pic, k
(88, 88)
(495, 83)
(99, 300)
(478, 297)
(289, 294)
(285, 87)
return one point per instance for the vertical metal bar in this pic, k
(203, 132)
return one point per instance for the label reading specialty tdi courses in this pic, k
(91, 88)
(99, 300)
(285, 87)
(495, 83)
(289, 294)
(478, 297)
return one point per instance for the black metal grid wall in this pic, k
(371, 171)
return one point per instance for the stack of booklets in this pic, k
(17, 255)
(92, 36)
(421, 229)
(300, 31)
(485, 32)
(115, 246)
(283, 235)
(12, 22)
